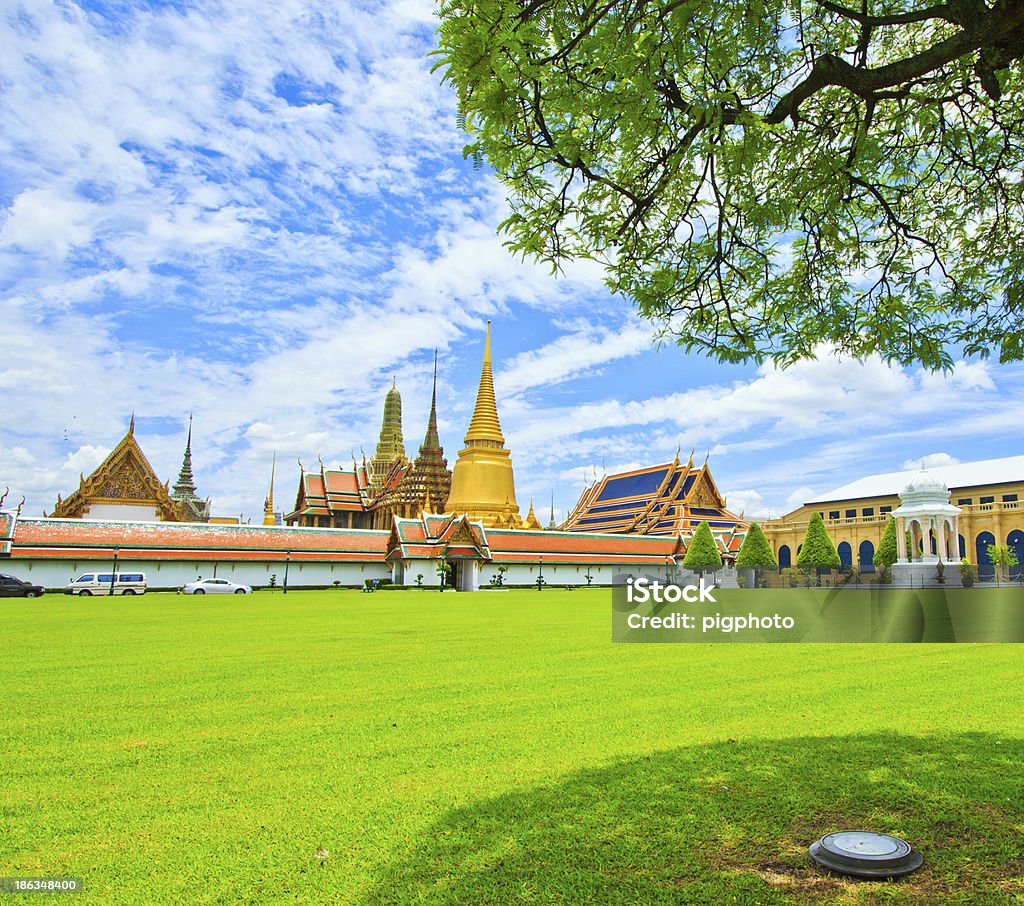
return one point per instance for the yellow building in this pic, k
(483, 486)
(989, 494)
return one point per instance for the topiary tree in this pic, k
(818, 551)
(755, 554)
(887, 554)
(702, 555)
(755, 551)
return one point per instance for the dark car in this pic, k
(11, 587)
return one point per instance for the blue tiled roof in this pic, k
(645, 483)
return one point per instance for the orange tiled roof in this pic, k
(73, 538)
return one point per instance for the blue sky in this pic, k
(259, 213)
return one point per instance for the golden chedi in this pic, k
(483, 486)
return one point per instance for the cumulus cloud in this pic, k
(931, 461)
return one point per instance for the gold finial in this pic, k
(484, 426)
(268, 509)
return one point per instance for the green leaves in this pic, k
(817, 550)
(880, 220)
(702, 556)
(756, 552)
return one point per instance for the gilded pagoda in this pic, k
(374, 491)
(483, 486)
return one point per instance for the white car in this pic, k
(216, 587)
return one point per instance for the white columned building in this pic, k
(933, 525)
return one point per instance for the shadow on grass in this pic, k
(731, 823)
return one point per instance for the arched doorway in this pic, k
(986, 571)
(1016, 541)
(785, 558)
(845, 553)
(866, 556)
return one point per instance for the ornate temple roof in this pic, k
(456, 537)
(437, 537)
(331, 491)
(125, 477)
(668, 499)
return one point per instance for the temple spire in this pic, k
(432, 441)
(483, 486)
(390, 446)
(186, 485)
(484, 425)
(268, 510)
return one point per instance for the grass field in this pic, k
(488, 748)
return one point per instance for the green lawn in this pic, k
(488, 748)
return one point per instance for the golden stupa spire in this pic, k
(268, 510)
(484, 424)
(483, 486)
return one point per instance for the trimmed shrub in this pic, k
(702, 555)
(756, 552)
(887, 555)
(818, 551)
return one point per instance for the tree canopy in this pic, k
(755, 551)
(817, 551)
(763, 177)
(702, 556)
(887, 553)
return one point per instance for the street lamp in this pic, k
(113, 575)
(287, 561)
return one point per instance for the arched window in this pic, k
(785, 558)
(845, 553)
(963, 547)
(986, 571)
(866, 555)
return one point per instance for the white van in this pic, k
(100, 583)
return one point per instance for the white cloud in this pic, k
(798, 497)
(572, 355)
(747, 502)
(931, 461)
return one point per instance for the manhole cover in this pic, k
(865, 854)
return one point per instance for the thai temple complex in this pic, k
(417, 522)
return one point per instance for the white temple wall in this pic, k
(121, 512)
(164, 574)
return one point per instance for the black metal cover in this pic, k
(865, 854)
